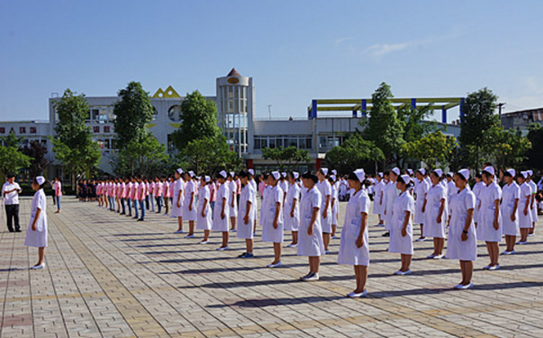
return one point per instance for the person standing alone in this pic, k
(11, 191)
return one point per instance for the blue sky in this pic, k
(294, 50)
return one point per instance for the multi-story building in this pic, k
(235, 101)
(521, 119)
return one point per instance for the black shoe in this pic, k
(11, 230)
(140, 219)
(18, 230)
(386, 234)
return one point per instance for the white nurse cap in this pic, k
(396, 171)
(464, 173)
(422, 171)
(489, 170)
(191, 173)
(360, 174)
(232, 174)
(334, 172)
(207, 178)
(410, 171)
(524, 174)
(325, 171)
(179, 171)
(438, 172)
(406, 179)
(380, 174)
(512, 172)
(251, 171)
(40, 180)
(275, 174)
(333, 177)
(531, 173)
(223, 174)
(450, 174)
(284, 174)
(295, 175)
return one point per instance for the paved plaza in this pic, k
(109, 276)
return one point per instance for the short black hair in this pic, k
(243, 174)
(310, 176)
(10, 175)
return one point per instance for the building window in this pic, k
(174, 113)
(22, 130)
(155, 114)
(107, 129)
(2, 130)
(32, 130)
(96, 129)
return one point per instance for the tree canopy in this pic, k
(145, 157)
(38, 162)
(355, 152)
(11, 159)
(210, 155)
(199, 120)
(132, 112)
(433, 149)
(286, 158)
(73, 145)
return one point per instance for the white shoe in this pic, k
(203, 242)
(223, 248)
(508, 252)
(522, 243)
(463, 287)
(420, 239)
(178, 232)
(276, 265)
(403, 273)
(327, 252)
(38, 267)
(486, 267)
(334, 237)
(233, 230)
(357, 295)
(189, 236)
(432, 256)
(292, 246)
(439, 256)
(493, 268)
(531, 235)
(311, 277)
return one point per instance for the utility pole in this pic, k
(500, 105)
(269, 111)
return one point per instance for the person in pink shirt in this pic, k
(158, 191)
(166, 194)
(261, 186)
(135, 197)
(151, 187)
(141, 195)
(118, 194)
(58, 192)
(213, 194)
(123, 196)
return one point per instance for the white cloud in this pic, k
(341, 40)
(379, 50)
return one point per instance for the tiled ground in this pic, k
(108, 276)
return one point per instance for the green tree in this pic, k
(383, 126)
(132, 112)
(433, 149)
(73, 145)
(210, 155)
(535, 154)
(11, 158)
(36, 151)
(355, 152)
(415, 124)
(199, 120)
(286, 158)
(478, 110)
(145, 156)
(505, 148)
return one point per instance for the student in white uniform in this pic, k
(401, 228)
(255, 187)
(292, 209)
(525, 216)
(221, 211)
(177, 203)
(421, 188)
(509, 210)
(391, 192)
(283, 184)
(354, 245)
(36, 235)
(189, 203)
(232, 201)
(246, 214)
(378, 190)
(382, 200)
(490, 223)
(462, 241)
(477, 188)
(310, 242)
(451, 190)
(272, 228)
(204, 219)
(533, 202)
(325, 188)
(434, 212)
(335, 205)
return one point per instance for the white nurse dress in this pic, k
(37, 238)
(349, 252)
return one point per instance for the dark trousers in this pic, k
(12, 213)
